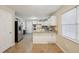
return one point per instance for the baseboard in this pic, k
(7, 48)
(61, 48)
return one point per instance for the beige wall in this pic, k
(65, 44)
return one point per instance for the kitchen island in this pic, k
(44, 37)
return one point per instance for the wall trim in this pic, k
(7, 47)
(61, 48)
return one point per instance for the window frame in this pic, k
(70, 38)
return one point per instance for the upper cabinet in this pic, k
(51, 21)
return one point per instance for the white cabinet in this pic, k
(51, 21)
(44, 38)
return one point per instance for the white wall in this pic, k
(29, 26)
(6, 28)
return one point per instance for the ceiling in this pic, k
(34, 11)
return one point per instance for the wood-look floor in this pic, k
(26, 46)
(46, 48)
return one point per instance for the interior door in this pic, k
(6, 30)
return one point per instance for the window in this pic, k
(78, 23)
(70, 25)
